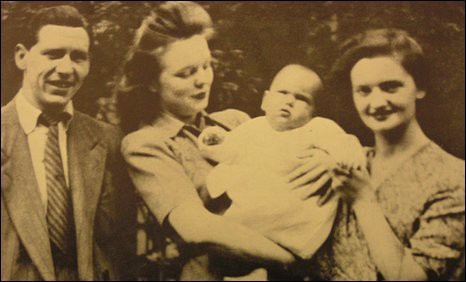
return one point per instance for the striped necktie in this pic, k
(59, 205)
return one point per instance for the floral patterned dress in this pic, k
(423, 201)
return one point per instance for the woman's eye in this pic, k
(207, 65)
(186, 73)
(390, 86)
(363, 90)
(390, 90)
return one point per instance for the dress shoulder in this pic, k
(141, 139)
(437, 164)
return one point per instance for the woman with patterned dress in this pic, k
(402, 218)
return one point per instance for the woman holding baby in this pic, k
(162, 98)
(402, 218)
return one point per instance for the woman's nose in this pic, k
(203, 77)
(378, 98)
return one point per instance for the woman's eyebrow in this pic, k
(185, 68)
(391, 83)
(361, 86)
(193, 65)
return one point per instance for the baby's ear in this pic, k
(264, 104)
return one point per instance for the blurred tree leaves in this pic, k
(255, 39)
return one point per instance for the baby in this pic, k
(255, 158)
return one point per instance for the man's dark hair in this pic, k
(63, 15)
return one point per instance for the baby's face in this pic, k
(289, 103)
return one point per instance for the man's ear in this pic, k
(21, 53)
(264, 104)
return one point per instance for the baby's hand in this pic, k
(209, 142)
(212, 135)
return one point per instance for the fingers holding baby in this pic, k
(333, 155)
(310, 178)
(352, 186)
(350, 176)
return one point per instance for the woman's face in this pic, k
(186, 77)
(384, 93)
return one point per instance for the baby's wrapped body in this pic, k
(254, 162)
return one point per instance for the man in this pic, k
(60, 168)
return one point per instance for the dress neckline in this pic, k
(400, 164)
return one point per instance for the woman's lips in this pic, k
(200, 96)
(381, 116)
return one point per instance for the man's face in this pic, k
(55, 67)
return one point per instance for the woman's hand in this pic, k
(311, 176)
(354, 187)
(391, 258)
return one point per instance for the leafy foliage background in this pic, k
(255, 39)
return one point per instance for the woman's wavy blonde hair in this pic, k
(167, 23)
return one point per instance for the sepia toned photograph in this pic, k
(232, 141)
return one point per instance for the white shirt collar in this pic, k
(28, 114)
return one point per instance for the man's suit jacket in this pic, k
(98, 182)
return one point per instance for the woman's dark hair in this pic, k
(369, 44)
(380, 42)
(137, 101)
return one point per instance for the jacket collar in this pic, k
(87, 155)
(28, 114)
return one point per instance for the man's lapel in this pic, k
(21, 194)
(87, 166)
